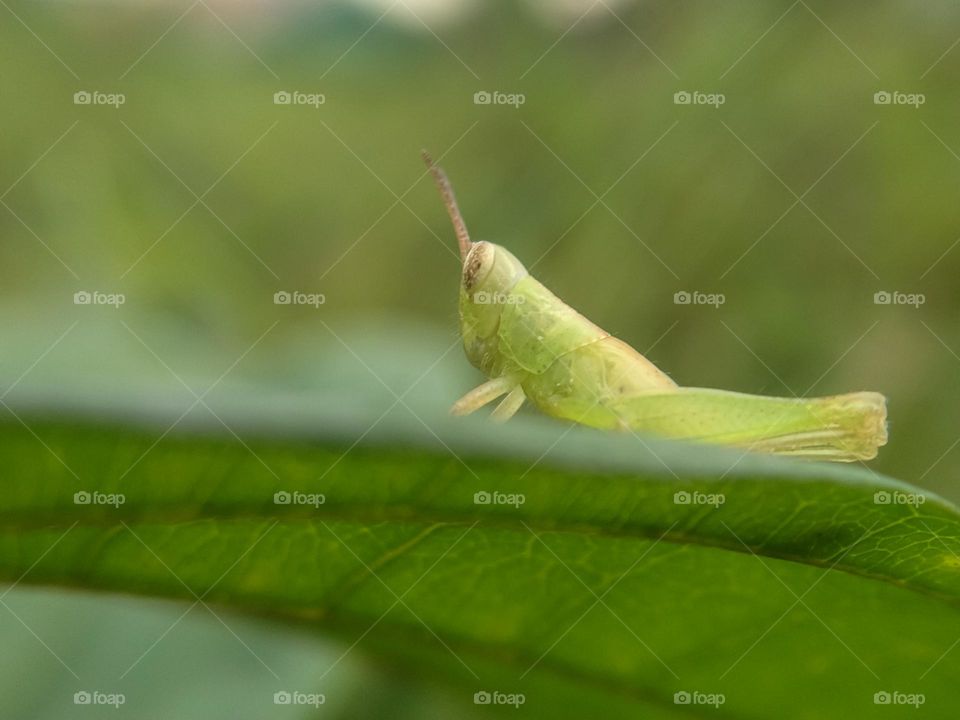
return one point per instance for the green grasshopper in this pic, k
(533, 346)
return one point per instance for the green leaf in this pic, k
(585, 586)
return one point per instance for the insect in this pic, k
(534, 347)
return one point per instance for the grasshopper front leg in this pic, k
(509, 405)
(483, 394)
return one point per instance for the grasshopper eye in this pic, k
(478, 264)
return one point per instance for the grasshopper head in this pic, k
(489, 274)
(488, 269)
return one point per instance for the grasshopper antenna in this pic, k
(446, 192)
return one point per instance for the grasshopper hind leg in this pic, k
(483, 394)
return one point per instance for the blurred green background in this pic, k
(798, 198)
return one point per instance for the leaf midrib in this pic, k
(435, 520)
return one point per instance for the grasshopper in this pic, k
(535, 347)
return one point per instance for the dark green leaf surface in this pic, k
(799, 596)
